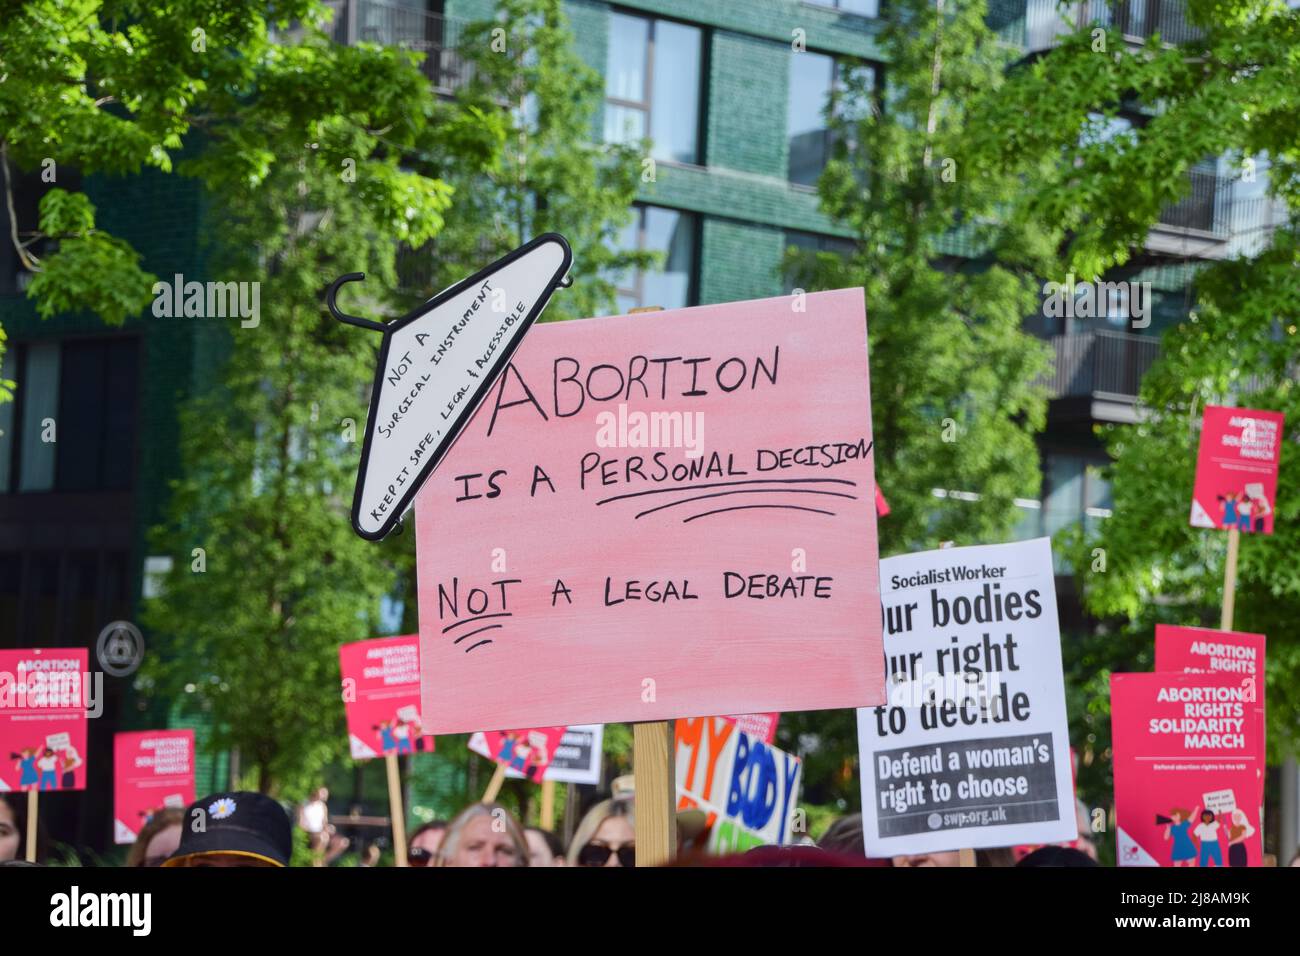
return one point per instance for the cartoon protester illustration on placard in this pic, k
(1178, 825)
(71, 761)
(25, 761)
(387, 739)
(1239, 831)
(1207, 831)
(48, 764)
(1260, 507)
(1246, 511)
(1231, 503)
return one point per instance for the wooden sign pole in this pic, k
(1230, 580)
(494, 785)
(395, 809)
(653, 752)
(33, 807)
(548, 805)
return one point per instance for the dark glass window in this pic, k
(72, 424)
(814, 77)
(672, 234)
(652, 86)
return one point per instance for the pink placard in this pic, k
(658, 516)
(1186, 759)
(1236, 469)
(152, 769)
(44, 695)
(528, 752)
(1202, 650)
(381, 693)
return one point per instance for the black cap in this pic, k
(241, 823)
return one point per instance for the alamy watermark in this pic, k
(626, 429)
(1098, 300)
(208, 300)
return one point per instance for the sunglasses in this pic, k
(418, 856)
(593, 854)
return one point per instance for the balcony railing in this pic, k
(1101, 363)
(374, 21)
(1205, 207)
(1046, 20)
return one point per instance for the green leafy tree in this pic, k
(956, 397)
(112, 87)
(305, 167)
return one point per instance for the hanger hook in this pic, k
(333, 292)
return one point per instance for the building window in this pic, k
(71, 426)
(672, 283)
(814, 78)
(1075, 492)
(652, 86)
(863, 8)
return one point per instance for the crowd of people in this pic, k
(245, 829)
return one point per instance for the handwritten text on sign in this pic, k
(658, 516)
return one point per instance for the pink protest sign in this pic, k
(1186, 762)
(44, 695)
(152, 769)
(1230, 653)
(657, 516)
(527, 752)
(1236, 469)
(381, 693)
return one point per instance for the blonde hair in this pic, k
(621, 807)
(456, 829)
(164, 818)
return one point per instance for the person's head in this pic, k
(606, 836)
(1207, 816)
(13, 829)
(936, 858)
(483, 834)
(158, 839)
(1057, 856)
(422, 848)
(1180, 814)
(844, 836)
(323, 794)
(234, 829)
(544, 847)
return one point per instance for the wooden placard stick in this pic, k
(33, 807)
(395, 809)
(494, 785)
(653, 752)
(1230, 580)
(548, 805)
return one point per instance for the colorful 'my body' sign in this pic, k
(1236, 469)
(45, 693)
(659, 516)
(748, 790)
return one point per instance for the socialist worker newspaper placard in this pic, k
(972, 748)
